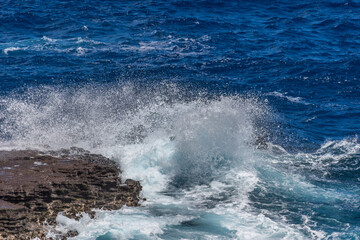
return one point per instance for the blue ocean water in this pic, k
(240, 118)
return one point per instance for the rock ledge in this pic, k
(36, 186)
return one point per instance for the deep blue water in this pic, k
(178, 92)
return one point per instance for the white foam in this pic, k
(81, 51)
(12, 49)
(48, 39)
(330, 153)
(166, 140)
(289, 98)
(121, 224)
(86, 40)
(179, 46)
(78, 46)
(251, 226)
(347, 146)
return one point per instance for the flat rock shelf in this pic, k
(35, 186)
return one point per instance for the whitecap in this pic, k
(289, 98)
(193, 156)
(86, 40)
(12, 49)
(48, 39)
(81, 51)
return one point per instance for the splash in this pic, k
(192, 138)
(192, 151)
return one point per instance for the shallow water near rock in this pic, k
(240, 119)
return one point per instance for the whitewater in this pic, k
(196, 155)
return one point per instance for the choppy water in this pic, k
(178, 93)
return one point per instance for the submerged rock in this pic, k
(36, 186)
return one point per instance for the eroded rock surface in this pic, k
(36, 186)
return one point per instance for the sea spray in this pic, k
(194, 153)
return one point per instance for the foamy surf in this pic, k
(202, 176)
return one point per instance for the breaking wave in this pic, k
(195, 154)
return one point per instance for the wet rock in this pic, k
(261, 143)
(36, 186)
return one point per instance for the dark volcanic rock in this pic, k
(36, 186)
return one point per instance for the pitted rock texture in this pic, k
(36, 186)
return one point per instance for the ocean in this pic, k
(239, 118)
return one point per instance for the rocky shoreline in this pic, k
(35, 186)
